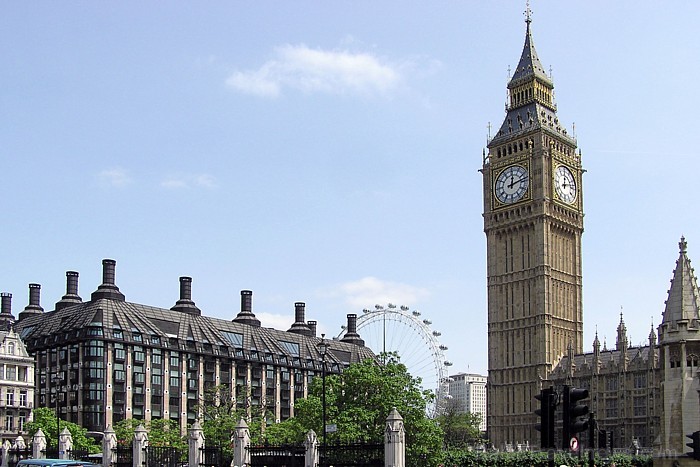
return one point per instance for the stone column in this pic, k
(311, 445)
(394, 441)
(39, 445)
(65, 444)
(241, 442)
(139, 446)
(5, 456)
(109, 444)
(196, 444)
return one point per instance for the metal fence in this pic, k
(165, 456)
(215, 457)
(16, 454)
(279, 455)
(124, 455)
(352, 455)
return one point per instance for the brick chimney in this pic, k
(108, 289)
(71, 297)
(299, 326)
(185, 304)
(246, 316)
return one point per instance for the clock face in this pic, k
(511, 184)
(565, 184)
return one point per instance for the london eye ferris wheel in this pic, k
(407, 333)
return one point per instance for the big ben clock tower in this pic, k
(533, 220)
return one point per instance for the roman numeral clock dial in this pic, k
(511, 184)
(565, 184)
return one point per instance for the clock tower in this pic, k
(533, 220)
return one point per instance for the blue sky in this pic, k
(328, 152)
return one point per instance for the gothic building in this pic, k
(533, 221)
(647, 395)
(107, 359)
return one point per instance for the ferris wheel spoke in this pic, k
(399, 330)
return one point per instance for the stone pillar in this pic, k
(65, 444)
(39, 445)
(196, 444)
(5, 456)
(109, 444)
(139, 446)
(311, 445)
(241, 442)
(394, 441)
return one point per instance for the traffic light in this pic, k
(548, 406)
(602, 439)
(572, 411)
(695, 446)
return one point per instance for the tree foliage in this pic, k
(461, 429)
(45, 419)
(469, 458)
(161, 432)
(359, 400)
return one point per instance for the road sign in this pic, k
(573, 444)
(331, 428)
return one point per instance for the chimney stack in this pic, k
(34, 306)
(5, 303)
(185, 304)
(312, 326)
(351, 334)
(246, 315)
(108, 289)
(299, 326)
(6, 318)
(71, 297)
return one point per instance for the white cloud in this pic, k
(368, 291)
(177, 182)
(315, 70)
(270, 320)
(114, 177)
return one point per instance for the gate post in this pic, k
(311, 445)
(39, 445)
(109, 444)
(5, 453)
(65, 444)
(139, 446)
(394, 441)
(196, 444)
(241, 442)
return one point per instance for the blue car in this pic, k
(54, 462)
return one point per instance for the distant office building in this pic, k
(108, 359)
(468, 394)
(16, 378)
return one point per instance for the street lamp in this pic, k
(323, 347)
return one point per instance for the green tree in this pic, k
(461, 429)
(359, 400)
(161, 432)
(45, 419)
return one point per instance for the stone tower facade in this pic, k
(533, 220)
(679, 340)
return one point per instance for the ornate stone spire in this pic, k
(622, 342)
(682, 302)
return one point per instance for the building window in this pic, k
(9, 422)
(640, 380)
(640, 407)
(11, 373)
(21, 421)
(23, 398)
(10, 398)
(11, 348)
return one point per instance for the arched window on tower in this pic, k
(691, 361)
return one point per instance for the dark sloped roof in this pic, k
(136, 321)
